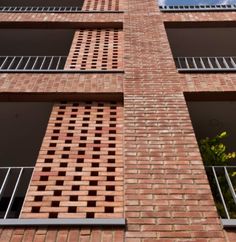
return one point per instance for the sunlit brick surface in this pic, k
(96, 49)
(79, 172)
(101, 5)
(51, 234)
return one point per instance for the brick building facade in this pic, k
(119, 143)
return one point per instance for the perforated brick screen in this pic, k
(96, 49)
(79, 172)
(101, 5)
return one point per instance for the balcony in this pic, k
(34, 50)
(210, 118)
(52, 6)
(203, 49)
(61, 6)
(195, 5)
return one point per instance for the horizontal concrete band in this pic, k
(63, 222)
(228, 223)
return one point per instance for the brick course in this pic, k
(27, 234)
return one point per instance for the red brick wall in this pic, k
(167, 196)
(51, 234)
(96, 49)
(79, 171)
(167, 192)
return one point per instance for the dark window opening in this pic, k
(209, 119)
(22, 128)
(203, 48)
(34, 49)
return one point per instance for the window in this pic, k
(24, 49)
(197, 48)
(211, 118)
(22, 128)
(41, 5)
(196, 5)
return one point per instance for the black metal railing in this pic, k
(222, 180)
(187, 8)
(14, 183)
(32, 63)
(206, 63)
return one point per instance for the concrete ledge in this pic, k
(62, 222)
(228, 223)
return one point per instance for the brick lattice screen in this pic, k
(79, 172)
(96, 49)
(101, 5)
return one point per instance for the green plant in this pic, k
(214, 152)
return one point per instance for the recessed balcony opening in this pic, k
(41, 5)
(24, 49)
(203, 48)
(209, 119)
(196, 5)
(22, 128)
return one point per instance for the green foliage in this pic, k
(214, 152)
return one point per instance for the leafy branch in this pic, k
(214, 151)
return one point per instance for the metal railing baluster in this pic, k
(230, 184)
(27, 62)
(58, 63)
(11, 63)
(50, 63)
(6, 57)
(5, 179)
(194, 63)
(217, 63)
(225, 63)
(232, 62)
(35, 63)
(19, 63)
(202, 63)
(40, 68)
(13, 193)
(220, 192)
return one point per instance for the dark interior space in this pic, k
(200, 41)
(35, 42)
(210, 118)
(44, 3)
(22, 128)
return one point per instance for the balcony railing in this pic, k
(223, 185)
(14, 182)
(36, 9)
(202, 64)
(189, 8)
(31, 63)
